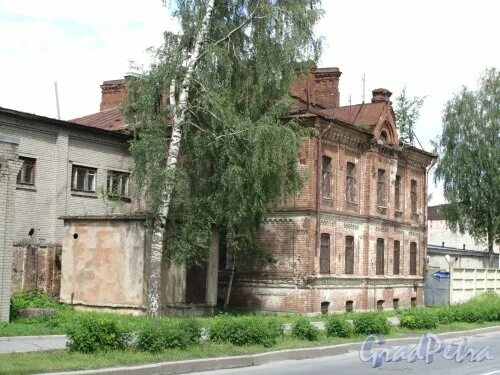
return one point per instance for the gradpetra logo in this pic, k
(429, 346)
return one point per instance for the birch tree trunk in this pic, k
(179, 110)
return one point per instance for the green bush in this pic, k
(445, 315)
(151, 339)
(469, 314)
(371, 323)
(31, 298)
(89, 335)
(420, 319)
(246, 330)
(304, 330)
(166, 334)
(338, 327)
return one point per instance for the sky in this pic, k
(431, 47)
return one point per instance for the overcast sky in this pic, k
(432, 47)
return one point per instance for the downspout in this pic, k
(424, 256)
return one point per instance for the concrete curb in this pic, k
(16, 338)
(219, 363)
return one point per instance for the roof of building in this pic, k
(109, 119)
(67, 124)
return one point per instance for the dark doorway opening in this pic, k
(196, 284)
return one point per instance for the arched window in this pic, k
(349, 306)
(383, 137)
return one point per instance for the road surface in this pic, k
(350, 363)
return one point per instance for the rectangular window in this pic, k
(349, 255)
(326, 177)
(397, 247)
(413, 196)
(350, 183)
(83, 178)
(118, 184)
(379, 263)
(413, 258)
(324, 256)
(26, 175)
(397, 193)
(381, 188)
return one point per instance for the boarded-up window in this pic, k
(413, 258)
(350, 183)
(26, 174)
(397, 248)
(379, 263)
(413, 196)
(324, 255)
(349, 255)
(326, 177)
(381, 188)
(397, 193)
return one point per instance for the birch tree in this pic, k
(469, 160)
(212, 148)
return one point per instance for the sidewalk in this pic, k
(21, 344)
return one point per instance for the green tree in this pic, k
(407, 111)
(469, 160)
(212, 149)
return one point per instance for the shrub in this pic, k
(246, 330)
(469, 314)
(150, 339)
(338, 327)
(445, 315)
(420, 319)
(31, 298)
(89, 335)
(304, 330)
(371, 323)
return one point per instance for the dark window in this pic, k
(395, 303)
(413, 302)
(397, 248)
(324, 307)
(380, 257)
(397, 193)
(326, 177)
(383, 137)
(349, 306)
(118, 184)
(380, 304)
(350, 183)
(26, 174)
(83, 178)
(381, 188)
(324, 256)
(349, 255)
(413, 196)
(413, 258)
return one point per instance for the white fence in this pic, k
(465, 283)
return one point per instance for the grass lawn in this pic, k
(59, 360)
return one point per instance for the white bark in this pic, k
(180, 110)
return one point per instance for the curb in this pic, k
(220, 363)
(48, 337)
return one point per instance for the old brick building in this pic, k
(355, 237)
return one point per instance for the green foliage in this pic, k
(304, 330)
(239, 154)
(90, 335)
(336, 326)
(168, 334)
(407, 111)
(31, 298)
(469, 160)
(371, 323)
(246, 330)
(420, 319)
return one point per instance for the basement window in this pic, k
(118, 184)
(349, 306)
(380, 304)
(83, 178)
(26, 175)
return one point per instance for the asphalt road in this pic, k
(31, 344)
(350, 363)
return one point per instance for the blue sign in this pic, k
(441, 275)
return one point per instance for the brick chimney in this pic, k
(113, 94)
(381, 95)
(324, 87)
